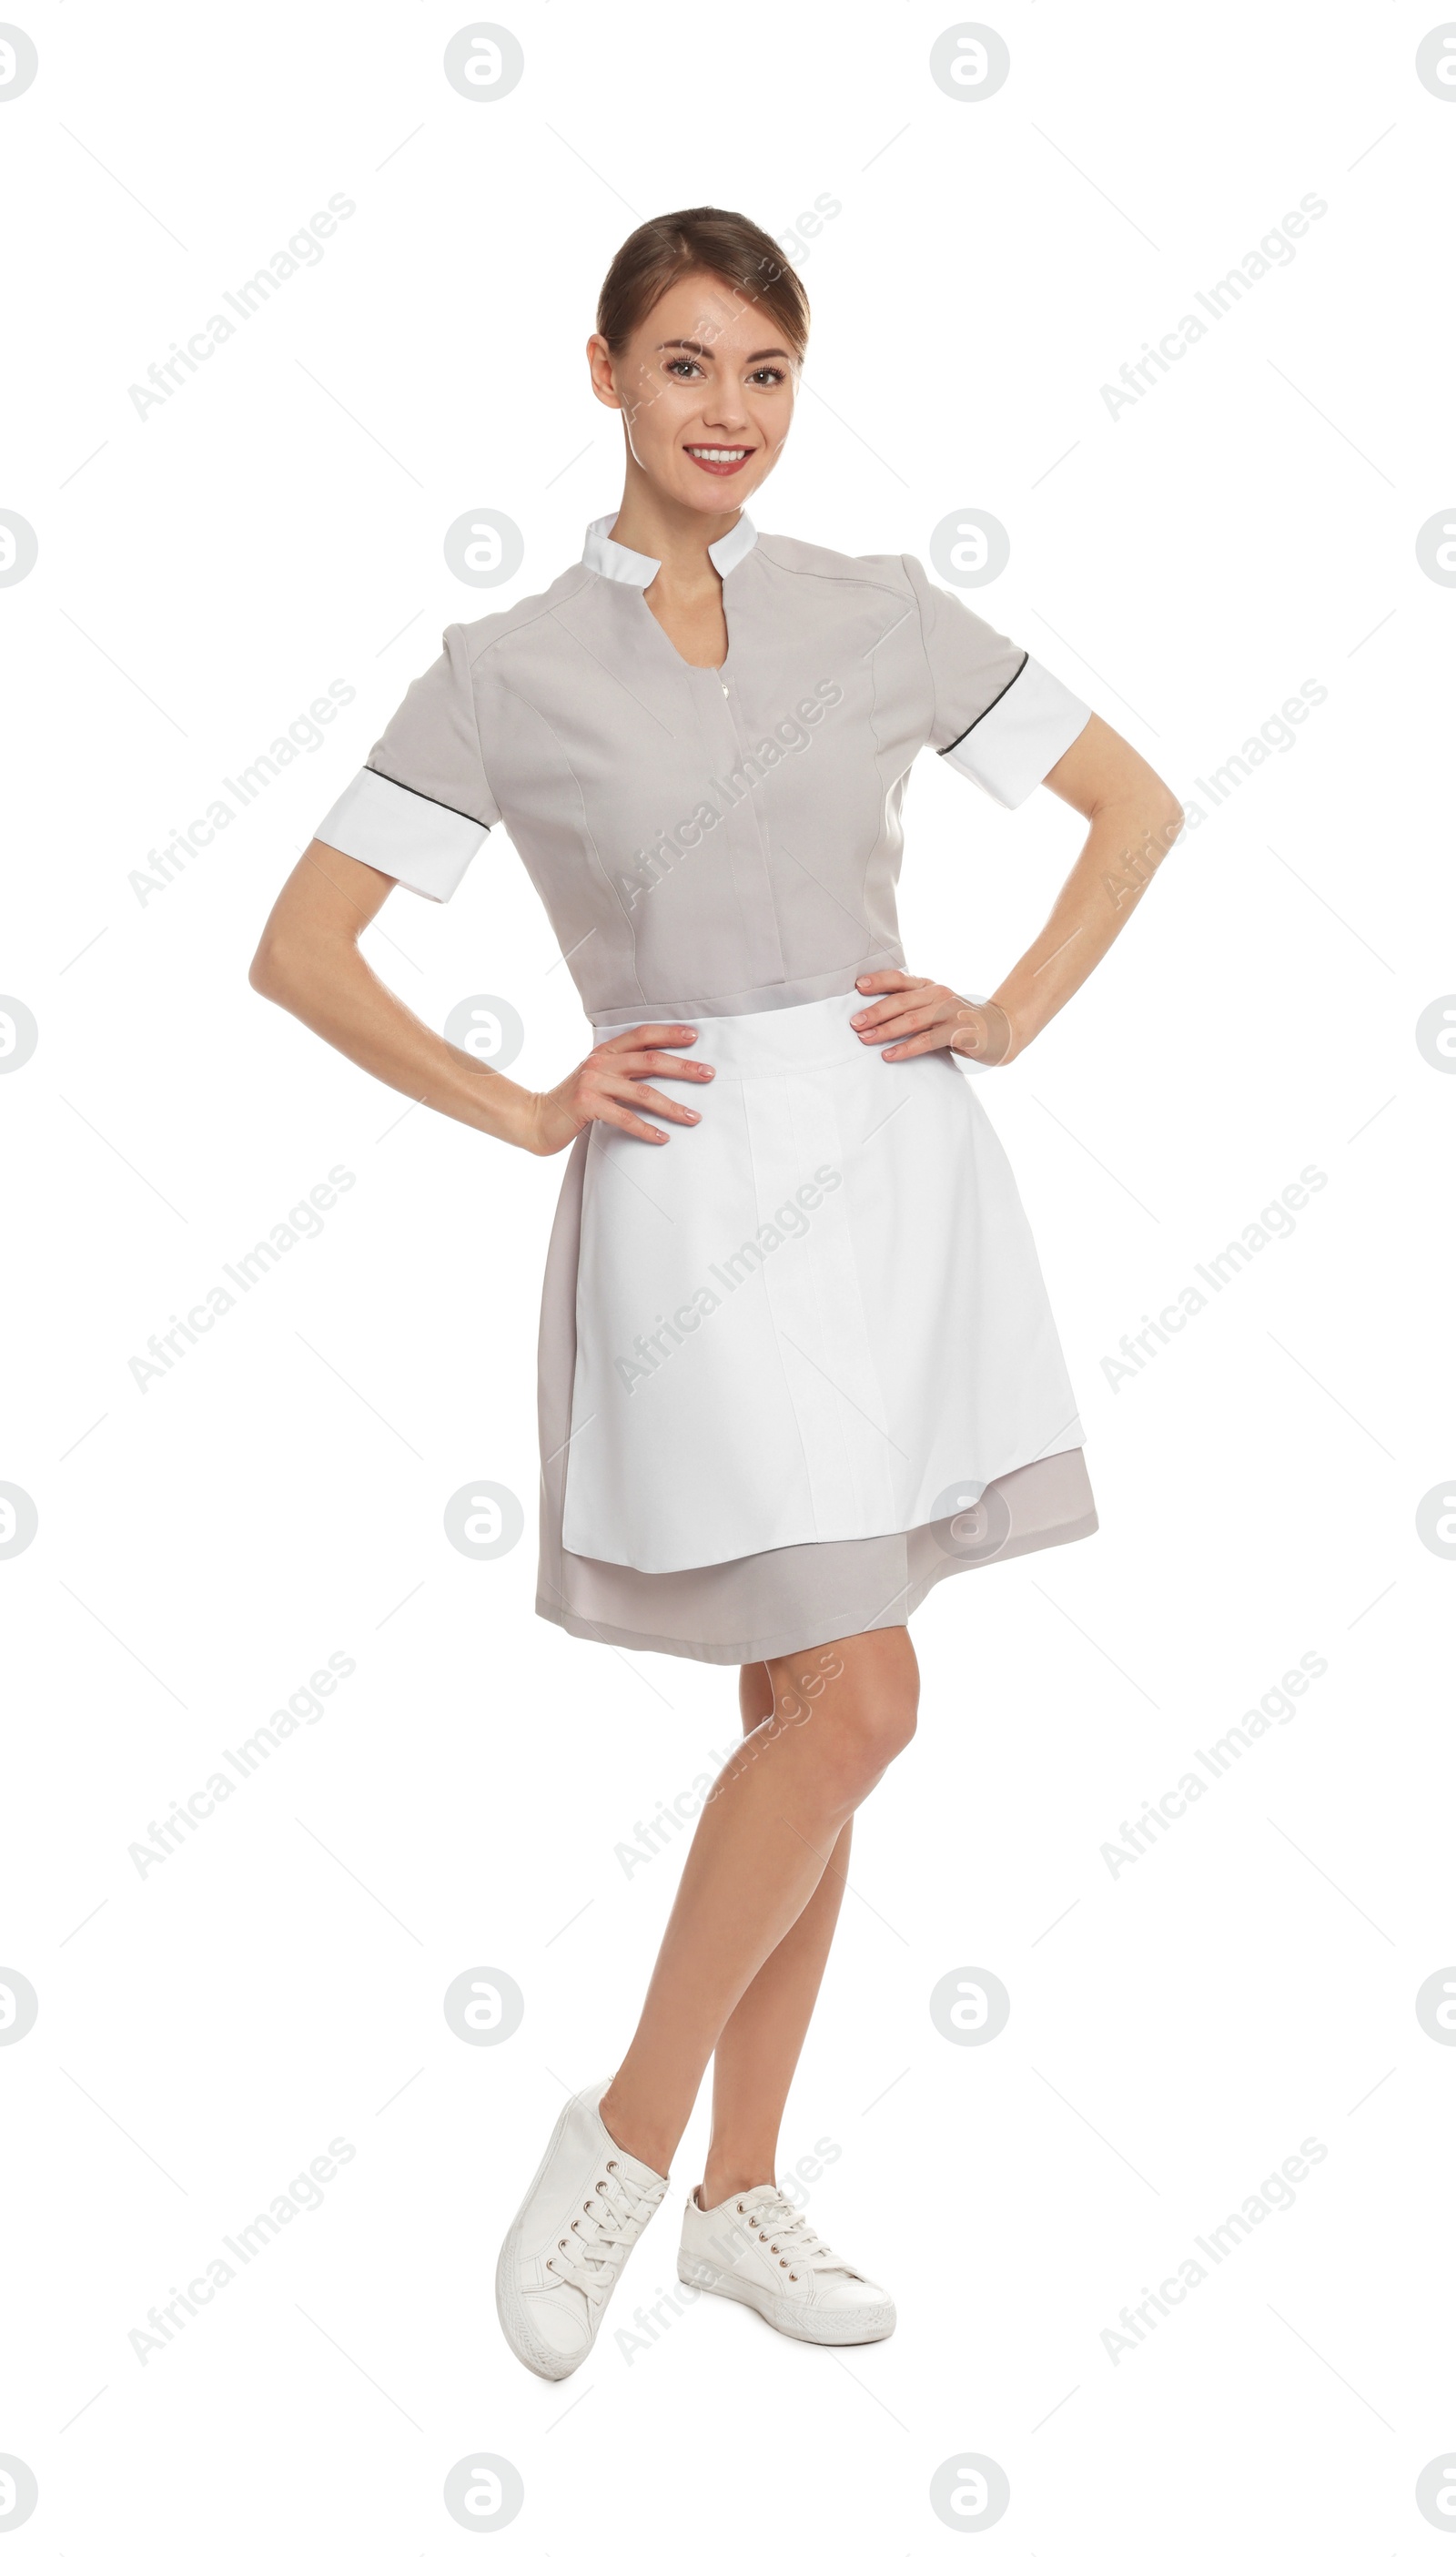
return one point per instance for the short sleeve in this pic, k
(1000, 717)
(421, 805)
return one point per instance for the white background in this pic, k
(204, 572)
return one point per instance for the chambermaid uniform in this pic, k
(797, 1364)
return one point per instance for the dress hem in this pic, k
(1065, 1446)
(841, 1625)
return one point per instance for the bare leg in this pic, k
(764, 1839)
(758, 2048)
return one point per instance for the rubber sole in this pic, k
(803, 2326)
(524, 2342)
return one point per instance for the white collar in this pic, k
(633, 568)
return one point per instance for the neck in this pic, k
(663, 530)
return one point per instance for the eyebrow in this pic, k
(694, 348)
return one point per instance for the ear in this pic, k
(598, 359)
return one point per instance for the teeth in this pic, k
(717, 451)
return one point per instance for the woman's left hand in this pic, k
(918, 1016)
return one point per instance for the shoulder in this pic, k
(886, 571)
(493, 635)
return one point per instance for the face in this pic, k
(706, 387)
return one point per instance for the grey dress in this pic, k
(791, 1379)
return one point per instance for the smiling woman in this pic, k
(700, 330)
(700, 739)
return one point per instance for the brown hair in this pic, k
(705, 241)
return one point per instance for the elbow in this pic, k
(268, 973)
(1167, 820)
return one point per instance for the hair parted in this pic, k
(703, 241)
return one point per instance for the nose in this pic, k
(723, 412)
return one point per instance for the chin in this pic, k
(721, 496)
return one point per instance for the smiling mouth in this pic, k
(722, 460)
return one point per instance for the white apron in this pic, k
(816, 1317)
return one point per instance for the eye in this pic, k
(768, 376)
(682, 366)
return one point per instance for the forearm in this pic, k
(1126, 842)
(335, 993)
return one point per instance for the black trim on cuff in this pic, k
(442, 803)
(980, 716)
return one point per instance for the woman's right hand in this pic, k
(610, 1079)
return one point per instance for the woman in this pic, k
(796, 1359)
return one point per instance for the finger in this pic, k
(908, 1015)
(649, 1034)
(881, 980)
(895, 1002)
(650, 1060)
(643, 1096)
(614, 1117)
(888, 1010)
(924, 1045)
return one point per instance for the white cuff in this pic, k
(416, 841)
(1028, 729)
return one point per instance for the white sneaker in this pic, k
(758, 2248)
(567, 2245)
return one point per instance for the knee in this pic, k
(860, 1728)
(872, 1738)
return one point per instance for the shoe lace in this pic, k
(591, 2253)
(787, 2234)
